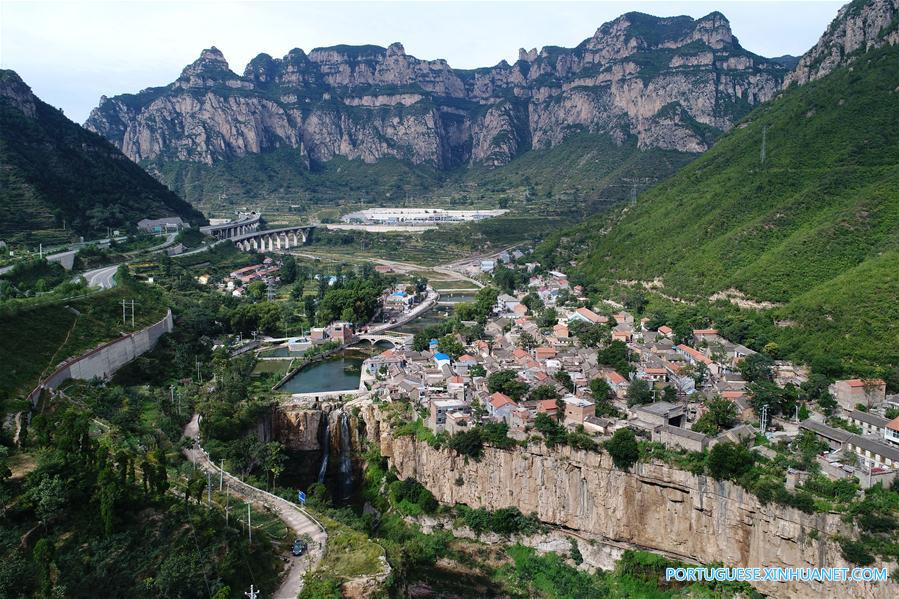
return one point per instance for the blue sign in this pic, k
(301, 497)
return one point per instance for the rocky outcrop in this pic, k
(671, 83)
(655, 506)
(860, 26)
(17, 92)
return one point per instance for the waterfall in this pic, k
(326, 450)
(346, 464)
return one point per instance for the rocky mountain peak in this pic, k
(211, 65)
(859, 26)
(395, 49)
(16, 91)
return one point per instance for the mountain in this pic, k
(57, 178)
(672, 84)
(797, 206)
(858, 27)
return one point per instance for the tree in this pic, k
(564, 379)
(638, 392)
(542, 392)
(616, 356)
(449, 344)
(623, 448)
(600, 390)
(729, 460)
(526, 341)
(256, 290)
(50, 497)
(721, 414)
(507, 381)
(548, 317)
(274, 460)
(288, 269)
(757, 368)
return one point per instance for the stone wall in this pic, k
(655, 506)
(103, 361)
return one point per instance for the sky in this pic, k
(72, 52)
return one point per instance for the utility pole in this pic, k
(124, 322)
(221, 475)
(764, 418)
(249, 525)
(208, 487)
(132, 314)
(199, 380)
(41, 251)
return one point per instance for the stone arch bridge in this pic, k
(273, 239)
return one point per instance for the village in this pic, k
(596, 370)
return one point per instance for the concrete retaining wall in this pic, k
(102, 362)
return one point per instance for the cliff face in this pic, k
(671, 83)
(655, 506)
(858, 27)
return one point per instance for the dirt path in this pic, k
(292, 515)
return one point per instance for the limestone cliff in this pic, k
(670, 83)
(655, 506)
(859, 26)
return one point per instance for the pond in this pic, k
(340, 372)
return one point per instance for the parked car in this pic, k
(299, 547)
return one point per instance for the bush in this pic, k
(855, 552)
(411, 498)
(729, 461)
(623, 448)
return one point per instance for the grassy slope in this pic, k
(34, 338)
(52, 170)
(815, 227)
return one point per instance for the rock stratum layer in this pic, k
(655, 506)
(670, 83)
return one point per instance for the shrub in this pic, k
(623, 448)
(729, 461)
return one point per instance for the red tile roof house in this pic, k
(548, 407)
(694, 356)
(618, 383)
(561, 331)
(545, 353)
(666, 331)
(500, 405)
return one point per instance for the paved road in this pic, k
(101, 277)
(292, 515)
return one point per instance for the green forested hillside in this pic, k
(585, 173)
(57, 178)
(798, 205)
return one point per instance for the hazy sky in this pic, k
(71, 53)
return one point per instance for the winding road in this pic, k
(102, 278)
(295, 517)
